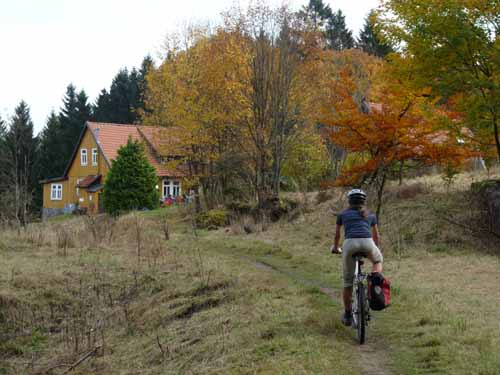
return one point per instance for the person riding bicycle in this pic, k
(361, 236)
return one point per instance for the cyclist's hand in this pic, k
(335, 250)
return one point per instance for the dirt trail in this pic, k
(373, 358)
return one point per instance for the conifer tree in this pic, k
(134, 94)
(101, 110)
(119, 94)
(19, 160)
(146, 67)
(131, 181)
(125, 101)
(72, 117)
(3, 153)
(338, 36)
(49, 162)
(317, 14)
(368, 40)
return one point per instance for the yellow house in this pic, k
(83, 180)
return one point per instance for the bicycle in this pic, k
(360, 305)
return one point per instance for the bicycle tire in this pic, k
(361, 326)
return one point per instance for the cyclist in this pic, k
(361, 235)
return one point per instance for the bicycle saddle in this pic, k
(358, 255)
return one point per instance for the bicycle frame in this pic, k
(361, 309)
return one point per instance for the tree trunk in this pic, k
(380, 193)
(497, 136)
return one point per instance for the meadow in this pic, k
(148, 293)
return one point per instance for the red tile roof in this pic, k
(110, 137)
(89, 180)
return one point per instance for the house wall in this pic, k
(78, 171)
(55, 207)
(47, 202)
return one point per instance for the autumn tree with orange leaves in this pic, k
(394, 125)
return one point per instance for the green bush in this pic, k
(212, 219)
(131, 181)
(239, 207)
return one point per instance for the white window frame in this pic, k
(83, 157)
(172, 188)
(56, 192)
(94, 156)
(176, 188)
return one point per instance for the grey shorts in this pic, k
(357, 245)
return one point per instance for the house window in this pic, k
(171, 188)
(94, 156)
(176, 189)
(166, 188)
(83, 156)
(55, 192)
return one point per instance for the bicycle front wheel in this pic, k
(361, 312)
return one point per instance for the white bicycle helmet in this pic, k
(356, 197)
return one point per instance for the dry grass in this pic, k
(141, 304)
(197, 304)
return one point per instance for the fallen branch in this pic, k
(85, 357)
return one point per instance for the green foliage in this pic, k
(338, 36)
(453, 47)
(125, 100)
(307, 163)
(316, 14)
(369, 41)
(212, 219)
(449, 175)
(131, 181)
(72, 118)
(17, 182)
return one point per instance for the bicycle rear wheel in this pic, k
(361, 313)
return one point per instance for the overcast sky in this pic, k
(47, 44)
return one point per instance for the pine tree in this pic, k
(120, 98)
(72, 117)
(49, 162)
(19, 160)
(369, 42)
(134, 94)
(3, 153)
(338, 36)
(125, 101)
(146, 67)
(131, 181)
(102, 110)
(316, 14)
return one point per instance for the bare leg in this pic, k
(377, 267)
(347, 297)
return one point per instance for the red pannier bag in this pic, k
(379, 291)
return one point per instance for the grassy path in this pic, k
(371, 358)
(431, 326)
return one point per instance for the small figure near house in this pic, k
(169, 201)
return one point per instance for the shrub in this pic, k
(212, 219)
(323, 196)
(131, 182)
(411, 191)
(239, 207)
